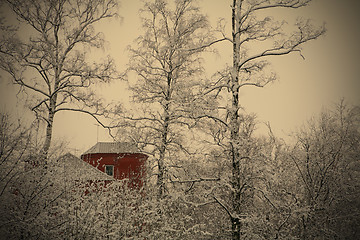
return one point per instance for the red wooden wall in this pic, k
(126, 165)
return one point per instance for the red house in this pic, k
(119, 160)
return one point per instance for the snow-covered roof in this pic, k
(72, 168)
(112, 147)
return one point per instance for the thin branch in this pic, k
(195, 180)
(92, 115)
(209, 44)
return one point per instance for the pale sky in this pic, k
(330, 70)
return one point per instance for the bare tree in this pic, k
(326, 162)
(47, 55)
(167, 64)
(254, 38)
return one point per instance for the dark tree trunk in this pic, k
(234, 122)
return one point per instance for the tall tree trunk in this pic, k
(161, 164)
(164, 138)
(161, 172)
(53, 97)
(234, 122)
(48, 135)
(49, 129)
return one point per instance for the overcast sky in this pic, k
(330, 70)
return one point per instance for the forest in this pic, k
(211, 174)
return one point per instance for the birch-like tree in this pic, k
(167, 65)
(45, 52)
(255, 36)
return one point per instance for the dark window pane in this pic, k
(109, 170)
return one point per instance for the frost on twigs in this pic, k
(47, 56)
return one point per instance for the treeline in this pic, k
(305, 190)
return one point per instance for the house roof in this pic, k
(72, 168)
(112, 147)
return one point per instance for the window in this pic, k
(109, 170)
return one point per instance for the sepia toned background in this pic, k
(329, 72)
